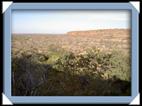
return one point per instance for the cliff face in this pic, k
(116, 33)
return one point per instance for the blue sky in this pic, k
(63, 21)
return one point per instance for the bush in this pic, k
(92, 72)
(104, 69)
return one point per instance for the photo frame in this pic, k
(8, 7)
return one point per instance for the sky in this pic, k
(60, 22)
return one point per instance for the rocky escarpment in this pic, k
(104, 33)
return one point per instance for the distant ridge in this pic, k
(109, 33)
(102, 32)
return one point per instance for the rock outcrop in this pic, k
(116, 33)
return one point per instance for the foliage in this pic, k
(92, 72)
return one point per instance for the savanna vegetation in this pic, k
(64, 73)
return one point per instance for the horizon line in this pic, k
(73, 31)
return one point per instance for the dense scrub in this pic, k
(62, 73)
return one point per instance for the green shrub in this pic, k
(93, 72)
